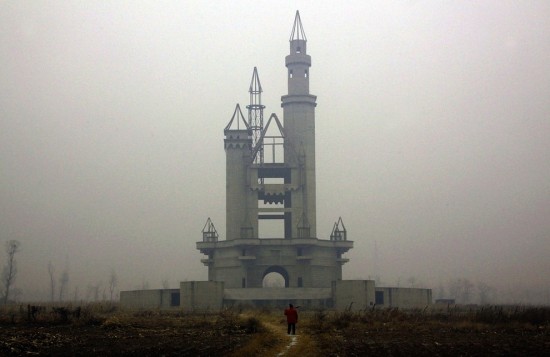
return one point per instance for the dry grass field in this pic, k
(98, 329)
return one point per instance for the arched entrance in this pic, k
(275, 276)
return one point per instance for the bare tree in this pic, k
(10, 269)
(486, 293)
(96, 291)
(15, 294)
(440, 291)
(467, 287)
(455, 288)
(93, 292)
(51, 272)
(63, 282)
(113, 283)
(144, 285)
(89, 293)
(461, 289)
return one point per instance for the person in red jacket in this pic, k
(291, 318)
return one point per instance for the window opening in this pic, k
(379, 297)
(274, 180)
(175, 299)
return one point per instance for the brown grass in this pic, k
(491, 330)
(268, 340)
(306, 347)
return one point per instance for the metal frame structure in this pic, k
(256, 114)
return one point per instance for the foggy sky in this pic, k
(432, 128)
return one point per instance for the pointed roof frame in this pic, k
(209, 232)
(209, 227)
(339, 231)
(255, 85)
(297, 29)
(237, 114)
(261, 139)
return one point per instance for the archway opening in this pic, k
(275, 277)
(273, 280)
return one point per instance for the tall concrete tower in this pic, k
(240, 201)
(270, 176)
(299, 122)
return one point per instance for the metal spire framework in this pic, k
(256, 114)
(298, 30)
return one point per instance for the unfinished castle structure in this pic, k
(270, 176)
(270, 173)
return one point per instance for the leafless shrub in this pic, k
(253, 325)
(34, 311)
(65, 314)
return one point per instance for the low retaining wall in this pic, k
(351, 295)
(403, 297)
(150, 299)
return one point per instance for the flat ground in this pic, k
(101, 330)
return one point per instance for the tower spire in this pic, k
(298, 30)
(256, 113)
(298, 61)
(236, 120)
(255, 86)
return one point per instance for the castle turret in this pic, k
(299, 122)
(238, 146)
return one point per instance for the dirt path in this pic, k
(272, 341)
(292, 342)
(300, 344)
(278, 330)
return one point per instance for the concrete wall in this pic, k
(279, 297)
(211, 295)
(201, 295)
(359, 294)
(316, 262)
(287, 294)
(150, 299)
(403, 297)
